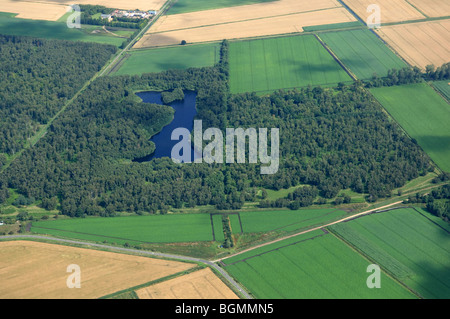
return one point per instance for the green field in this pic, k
(362, 52)
(314, 265)
(9, 25)
(138, 229)
(286, 220)
(408, 245)
(423, 114)
(183, 6)
(333, 26)
(269, 64)
(444, 88)
(163, 59)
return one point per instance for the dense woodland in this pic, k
(37, 77)
(437, 202)
(330, 139)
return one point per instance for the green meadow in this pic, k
(362, 52)
(163, 59)
(423, 114)
(408, 245)
(265, 65)
(310, 266)
(443, 87)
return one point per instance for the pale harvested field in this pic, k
(391, 10)
(32, 270)
(119, 4)
(433, 8)
(292, 23)
(241, 13)
(202, 284)
(35, 11)
(420, 44)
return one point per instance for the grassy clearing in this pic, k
(410, 241)
(132, 230)
(317, 266)
(362, 52)
(266, 65)
(163, 59)
(184, 6)
(423, 114)
(9, 25)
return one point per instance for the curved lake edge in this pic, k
(183, 117)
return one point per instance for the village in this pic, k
(133, 14)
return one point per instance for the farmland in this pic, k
(420, 44)
(184, 6)
(201, 284)
(271, 18)
(288, 62)
(362, 52)
(315, 265)
(145, 229)
(39, 270)
(163, 59)
(432, 8)
(391, 11)
(10, 25)
(444, 88)
(406, 244)
(423, 114)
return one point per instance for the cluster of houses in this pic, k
(130, 14)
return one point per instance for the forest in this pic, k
(38, 77)
(330, 139)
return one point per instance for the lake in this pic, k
(185, 113)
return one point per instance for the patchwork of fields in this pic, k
(407, 245)
(269, 64)
(183, 227)
(10, 25)
(38, 270)
(362, 52)
(314, 265)
(163, 59)
(420, 44)
(423, 114)
(268, 18)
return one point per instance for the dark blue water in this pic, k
(185, 113)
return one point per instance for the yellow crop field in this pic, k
(33, 270)
(391, 10)
(202, 284)
(284, 24)
(433, 8)
(33, 10)
(420, 44)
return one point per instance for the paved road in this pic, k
(143, 252)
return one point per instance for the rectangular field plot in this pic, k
(391, 10)
(317, 265)
(423, 114)
(288, 62)
(420, 44)
(362, 52)
(163, 59)
(408, 245)
(138, 229)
